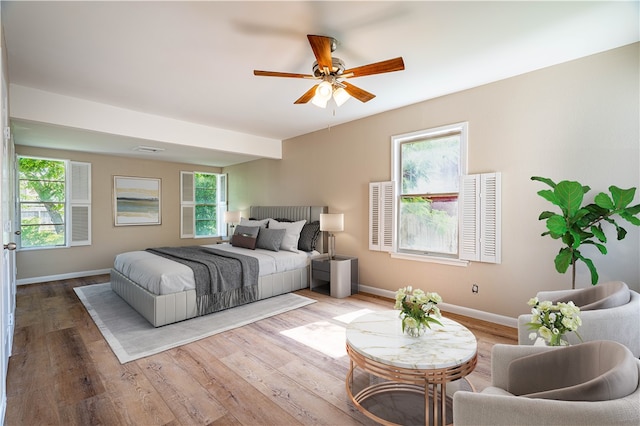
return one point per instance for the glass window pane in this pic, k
(33, 190)
(42, 235)
(431, 166)
(429, 226)
(42, 213)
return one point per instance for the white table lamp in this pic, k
(332, 222)
(231, 218)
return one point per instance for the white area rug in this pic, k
(132, 337)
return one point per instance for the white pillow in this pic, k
(247, 222)
(292, 234)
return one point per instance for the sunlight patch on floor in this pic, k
(325, 336)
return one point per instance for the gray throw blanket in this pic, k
(223, 279)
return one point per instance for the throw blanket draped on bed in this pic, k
(223, 279)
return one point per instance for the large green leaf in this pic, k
(592, 268)
(622, 197)
(563, 260)
(556, 224)
(550, 196)
(603, 200)
(570, 195)
(599, 233)
(544, 180)
(629, 218)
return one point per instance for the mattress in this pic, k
(161, 276)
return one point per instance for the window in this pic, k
(432, 210)
(54, 198)
(427, 169)
(203, 201)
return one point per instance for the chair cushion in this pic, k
(593, 371)
(602, 296)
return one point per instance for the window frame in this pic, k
(188, 204)
(80, 199)
(396, 170)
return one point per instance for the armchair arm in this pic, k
(502, 355)
(478, 409)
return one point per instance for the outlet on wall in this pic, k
(474, 288)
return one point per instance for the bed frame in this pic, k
(165, 309)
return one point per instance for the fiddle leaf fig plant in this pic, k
(576, 224)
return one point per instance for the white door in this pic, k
(7, 260)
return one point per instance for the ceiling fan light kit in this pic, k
(333, 74)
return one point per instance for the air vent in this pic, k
(143, 148)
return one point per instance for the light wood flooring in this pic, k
(62, 372)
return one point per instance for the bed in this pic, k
(162, 290)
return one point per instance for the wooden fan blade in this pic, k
(321, 47)
(280, 74)
(358, 93)
(390, 65)
(308, 95)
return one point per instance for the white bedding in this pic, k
(160, 275)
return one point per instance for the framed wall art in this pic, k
(136, 201)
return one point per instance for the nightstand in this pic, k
(337, 277)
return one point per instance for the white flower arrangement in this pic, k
(416, 308)
(552, 322)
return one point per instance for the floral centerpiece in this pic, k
(552, 322)
(416, 309)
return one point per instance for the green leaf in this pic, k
(622, 197)
(601, 248)
(629, 218)
(544, 180)
(550, 196)
(570, 195)
(591, 266)
(545, 215)
(634, 210)
(563, 260)
(597, 231)
(556, 224)
(603, 200)
(577, 238)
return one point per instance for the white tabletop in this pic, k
(379, 336)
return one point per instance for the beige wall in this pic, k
(576, 121)
(107, 239)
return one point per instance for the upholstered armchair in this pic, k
(609, 311)
(593, 383)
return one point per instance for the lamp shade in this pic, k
(340, 96)
(332, 222)
(232, 217)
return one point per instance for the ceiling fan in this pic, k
(333, 74)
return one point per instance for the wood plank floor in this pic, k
(62, 372)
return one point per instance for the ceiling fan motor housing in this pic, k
(337, 68)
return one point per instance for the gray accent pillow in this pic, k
(309, 236)
(247, 231)
(270, 239)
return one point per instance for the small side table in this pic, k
(340, 275)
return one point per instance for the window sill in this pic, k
(430, 259)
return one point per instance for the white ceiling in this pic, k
(194, 61)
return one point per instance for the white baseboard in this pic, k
(460, 310)
(35, 280)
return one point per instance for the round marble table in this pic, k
(425, 364)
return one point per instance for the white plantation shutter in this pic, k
(480, 218)
(187, 205)
(469, 207)
(490, 226)
(80, 204)
(381, 216)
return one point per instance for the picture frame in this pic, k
(137, 201)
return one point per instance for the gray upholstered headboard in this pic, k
(309, 213)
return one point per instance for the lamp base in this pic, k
(332, 246)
